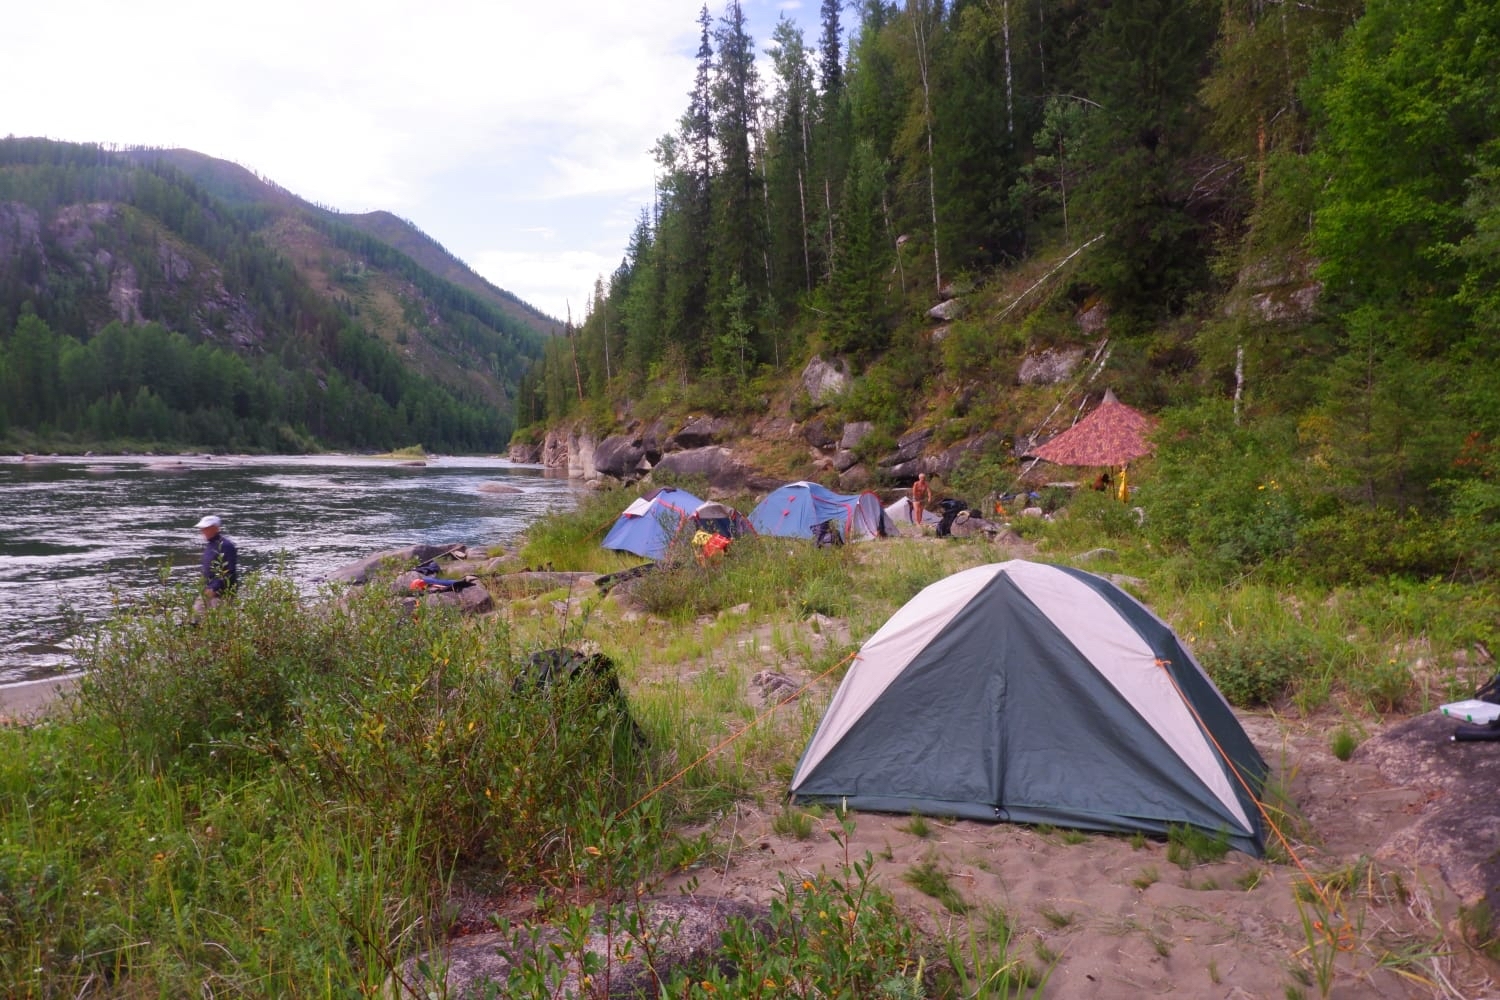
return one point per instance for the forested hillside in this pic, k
(1275, 224)
(165, 298)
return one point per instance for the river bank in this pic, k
(27, 701)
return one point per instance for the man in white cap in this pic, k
(221, 561)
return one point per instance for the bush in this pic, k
(172, 684)
(1224, 492)
(1255, 667)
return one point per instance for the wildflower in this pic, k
(807, 885)
(591, 849)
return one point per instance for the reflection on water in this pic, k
(75, 532)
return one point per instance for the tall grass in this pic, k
(270, 801)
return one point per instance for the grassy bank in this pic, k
(283, 800)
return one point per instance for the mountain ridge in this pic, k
(306, 297)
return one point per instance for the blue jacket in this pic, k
(221, 563)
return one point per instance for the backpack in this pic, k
(827, 533)
(1489, 691)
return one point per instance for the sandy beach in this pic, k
(29, 699)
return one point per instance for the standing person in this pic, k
(221, 562)
(921, 498)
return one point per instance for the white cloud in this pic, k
(488, 123)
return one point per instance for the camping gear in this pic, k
(1033, 693)
(796, 509)
(900, 514)
(827, 534)
(1112, 434)
(951, 509)
(1480, 714)
(650, 524)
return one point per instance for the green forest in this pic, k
(230, 346)
(1175, 165)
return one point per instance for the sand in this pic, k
(1106, 919)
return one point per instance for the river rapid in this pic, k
(76, 534)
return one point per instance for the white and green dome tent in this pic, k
(1033, 693)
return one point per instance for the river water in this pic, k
(76, 532)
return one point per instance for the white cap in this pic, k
(211, 521)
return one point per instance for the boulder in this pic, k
(412, 555)
(854, 432)
(685, 932)
(854, 478)
(722, 469)
(1049, 366)
(845, 460)
(1455, 829)
(621, 456)
(908, 449)
(817, 433)
(823, 380)
(498, 488)
(947, 311)
(698, 432)
(525, 454)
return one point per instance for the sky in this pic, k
(517, 135)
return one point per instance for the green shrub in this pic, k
(173, 684)
(1226, 493)
(1254, 668)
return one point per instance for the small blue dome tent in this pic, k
(648, 526)
(796, 509)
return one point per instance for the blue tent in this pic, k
(796, 509)
(648, 525)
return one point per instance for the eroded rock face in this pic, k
(686, 932)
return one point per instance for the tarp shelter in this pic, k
(1033, 693)
(901, 512)
(1112, 434)
(650, 524)
(796, 509)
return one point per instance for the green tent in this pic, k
(1033, 693)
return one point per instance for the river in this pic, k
(77, 532)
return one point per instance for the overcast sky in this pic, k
(516, 134)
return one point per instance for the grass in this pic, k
(926, 877)
(279, 804)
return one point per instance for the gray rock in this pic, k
(816, 432)
(908, 448)
(686, 932)
(718, 465)
(947, 311)
(845, 460)
(498, 488)
(856, 477)
(699, 432)
(621, 457)
(1050, 366)
(1095, 554)
(412, 555)
(854, 432)
(1456, 828)
(823, 380)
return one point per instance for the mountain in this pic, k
(344, 331)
